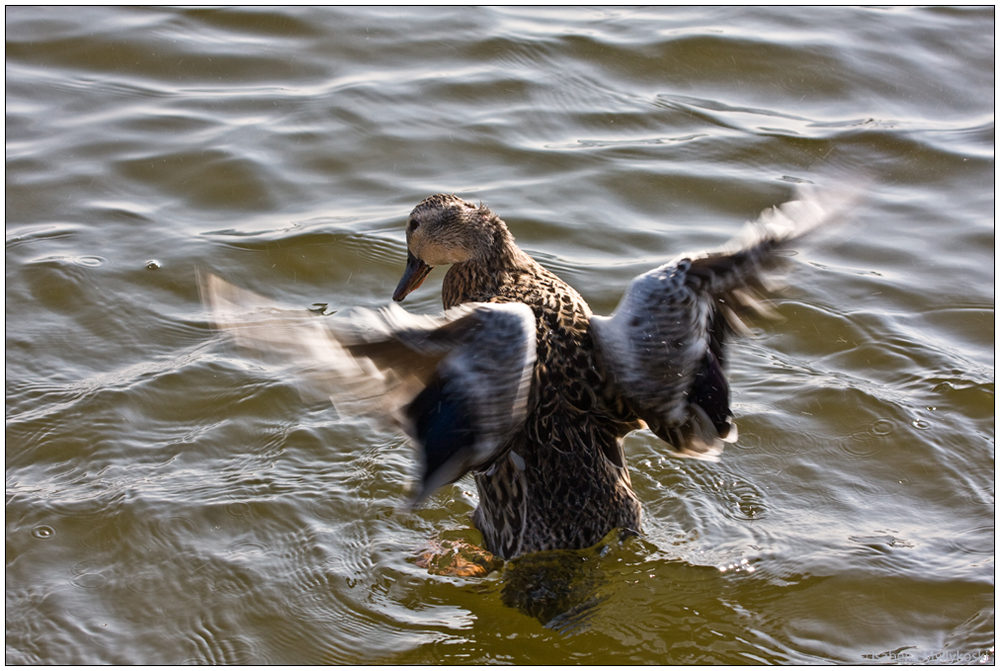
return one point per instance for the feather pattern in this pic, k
(664, 345)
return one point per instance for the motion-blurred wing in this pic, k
(457, 385)
(664, 345)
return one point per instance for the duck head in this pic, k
(443, 230)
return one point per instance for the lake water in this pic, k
(170, 501)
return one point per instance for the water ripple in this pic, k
(285, 146)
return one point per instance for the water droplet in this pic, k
(152, 264)
(43, 532)
(747, 509)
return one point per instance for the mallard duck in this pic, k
(518, 382)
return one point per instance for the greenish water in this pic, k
(170, 501)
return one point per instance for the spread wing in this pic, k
(664, 345)
(457, 385)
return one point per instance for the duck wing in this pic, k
(664, 345)
(456, 384)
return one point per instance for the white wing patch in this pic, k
(664, 345)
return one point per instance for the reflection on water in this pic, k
(561, 589)
(171, 501)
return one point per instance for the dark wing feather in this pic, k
(664, 345)
(457, 385)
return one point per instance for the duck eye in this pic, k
(414, 225)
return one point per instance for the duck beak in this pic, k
(413, 277)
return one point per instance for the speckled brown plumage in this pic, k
(570, 429)
(574, 486)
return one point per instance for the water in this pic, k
(170, 501)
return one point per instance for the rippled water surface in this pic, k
(168, 500)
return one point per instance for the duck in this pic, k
(518, 382)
